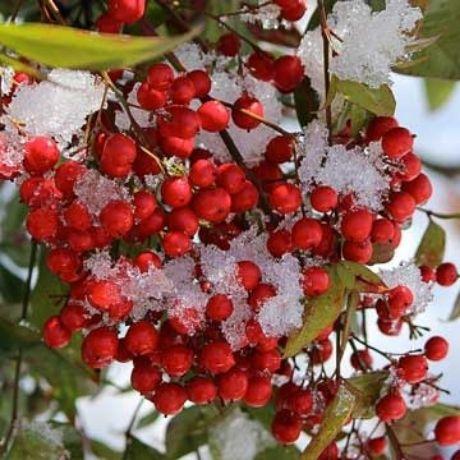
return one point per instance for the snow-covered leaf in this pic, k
(60, 46)
(319, 313)
(442, 58)
(335, 416)
(431, 249)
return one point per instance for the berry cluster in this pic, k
(197, 270)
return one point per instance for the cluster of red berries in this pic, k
(197, 200)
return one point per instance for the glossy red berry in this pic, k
(288, 73)
(219, 307)
(40, 155)
(397, 142)
(419, 188)
(100, 347)
(315, 281)
(286, 427)
(169, 398)
(229, 44)
(176, 192)
(201, 390)
(117, 218)
(145, 377)
(446, 274)
(141, 338)
(447, 430)
(217, 357)
(413, 368)
(55, 334)
(126, 11)
(232, 385)
(248, 274)
(306, 233)
(261, 66)
(212, 205)
(280, 149)
(358, 252)
(391, 407)
(246, 112)
(380, 126)
(177, 360)
(323, 198)
(160, 76)
(202, 82)
(361, 360)
(357, 225)
(436, 348)
(214, 116)
(401, 206)
(258, 392)
(285, 198)
(377, 446)
(150, 98)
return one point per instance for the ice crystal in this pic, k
(95, 191)
(357, 170)
(422, 395)
(408, 274)
(44, 430)
(6, 79)
(266, 14)
(57, 107)
(236, 436)
(371, 42)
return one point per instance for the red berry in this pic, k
(176, 192)
(64, 263)
(177, 360)
(175, 146)
(279, 243)
(179, 121)
(201, 390)
(267, 360)
(420, 188)
(118, 155)
(321, 352)
(203, 173)
(413, 368)
(316, 281)
(285, 198)
(358, 252)
(229, 44)
(288, 73)
(399, 299)
(77, 216)
(260, 294)
(391, 407)
(40, 155)
(361, 360)
(100, 347)
(397, 142)
(427, 273)
(212, 205)
(55, 334)
(176, 244)
(324, 199)
(280, 149)
(242, 108)
(380, 126)
(183, 220)
(232, 385)
(383, 231)
(67, 175)
(42, 224)
(108, 25)
(447, 431)
(436, 348)
(214, 116)
(150, 98)
(117, 218)
(261, 65)
(446, 274)
(295, 11)
(73, 316)
(357, 225)
(147, 259)
(182, 90)
(145, 377)
(144, 204)
(231, 178)
(141, 338)
(412, 165)
(401, 206)
(306, 233)
(248, 274)
(286, 427)
(219, 307)
(217, 357)
(201, 81)
(169, 398)
(126, 11)
(246, 199)
(259, 391)
(377, 446)
(160, 76)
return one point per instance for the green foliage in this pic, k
(368, 387)
(137, 450)
(441, 59)
(59, 46)
(432, 247)
(438, 92)
(335, 416)
(379, 101)
(279, 453)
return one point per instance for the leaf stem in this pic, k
(439, 215)
(128, 433)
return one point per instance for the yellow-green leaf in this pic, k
(337, 414)
(19, 66)
(60, 46)
(432, 247)
(379, 101)
(368, 386)
(320, 312)
(438, 92)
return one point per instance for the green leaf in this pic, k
(279, 453)
(438, 92)
(188, 430)
(336, 415)
(137, 450)
(320, 312)
(456, 310)
(356, 271)
(148, 419)
(72, 439)
(30, 444)
(14, 336)
(369, 387)
(381, 253)
(60, 46)
(306, 102)
(104, 452)
(432, 247)
(379, 101)
(442, 58)
(12, 287)
(19, 66)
